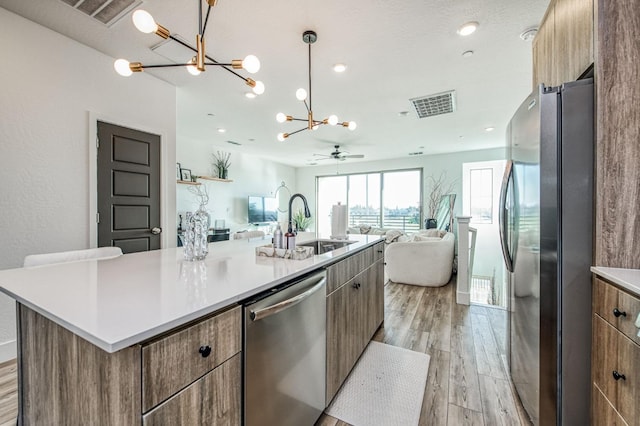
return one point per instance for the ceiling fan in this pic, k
(338, 155)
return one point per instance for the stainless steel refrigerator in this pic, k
(546, 222)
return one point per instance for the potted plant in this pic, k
(437, 187)
(300, 222)
(221, 164)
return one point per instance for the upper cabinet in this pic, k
(563, 47)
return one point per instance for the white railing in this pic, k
(466, 252)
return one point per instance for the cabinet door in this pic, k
(602, 413)
(604, 358)
(373, 300)
(573, 39)
(543, 52)
(210, 401)
(343, 336)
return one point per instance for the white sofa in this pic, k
(427, 260)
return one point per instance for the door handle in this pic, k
(156, 230)
(508, 177)
(281, 306)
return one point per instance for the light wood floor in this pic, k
(467, 383)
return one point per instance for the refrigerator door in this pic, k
(524, 147)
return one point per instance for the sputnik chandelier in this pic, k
(309, 37)
(146, 24)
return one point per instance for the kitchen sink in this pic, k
(325, 246)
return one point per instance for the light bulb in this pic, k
(301, 94)
(122, 67)
(192, 67)
(251, 64)
(281, 117)
(258, 89)
(468, 28)
(352, 125)
(315, 127)
(339, 67)
(250, 95)
(333, 119)
(281, 137)
(144, 21)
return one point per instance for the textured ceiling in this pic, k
(395, 50)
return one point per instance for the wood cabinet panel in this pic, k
(65, 380)
(573, 38)
(618, 133)
(605, 358)
(629, 387)
(171, 363)
(605, 300)
(602, 412)
(213, 400)
(630, 305)
(343, 271)
(544, 53)
(378, 251)
(342, 336)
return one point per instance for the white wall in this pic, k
(50, 85)
(432, 165)
(251, 175)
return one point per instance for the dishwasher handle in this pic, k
(281, 306)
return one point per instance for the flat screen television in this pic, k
(262, 209)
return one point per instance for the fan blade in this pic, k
(353, 156)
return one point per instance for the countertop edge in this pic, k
(628, 279)
(138, 338)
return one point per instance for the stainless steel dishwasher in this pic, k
(285, 354)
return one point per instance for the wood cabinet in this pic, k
(355, 310)
(564, 46)
(615, 355)
(168, 379)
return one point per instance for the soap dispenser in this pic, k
(277, 238)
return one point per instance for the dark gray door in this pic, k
(128, 188)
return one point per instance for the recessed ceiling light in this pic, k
(468, 28)
(416, 153)
(421, 147)
(211, 114)
(403, 113)
(221, 130)
(339, 67)
(234, 143)
(489, 129)
(529, 34)
(251, 139)
(467, 54)
(312, 164)
(250, 95)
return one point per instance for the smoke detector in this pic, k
(529, 34)
(436, 104)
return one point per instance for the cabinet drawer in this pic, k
(378, 251)
(341, 272)
(608, 299)
(615, 352)
(602, 412)
(211, 401)
(174, 361)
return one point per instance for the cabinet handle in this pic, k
(356, 285)
(380, 251)
(617, 312)
(618, 376)
(205, 351)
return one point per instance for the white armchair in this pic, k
(425, 261)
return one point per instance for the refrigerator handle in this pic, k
(506, 181)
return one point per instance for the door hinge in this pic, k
(97, 217)
(97, 142)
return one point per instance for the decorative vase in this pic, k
(196, 234)
(225, 173)
(430, 223)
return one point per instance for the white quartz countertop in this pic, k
(628, 279)
(119, 302)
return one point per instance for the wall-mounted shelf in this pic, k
(186, 182)
(214, 179)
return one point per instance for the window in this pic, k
(481, 195)
(382, 199)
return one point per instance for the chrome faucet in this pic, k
(307, 212)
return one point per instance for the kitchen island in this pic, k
(146, 337)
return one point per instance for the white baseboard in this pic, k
(8, 351)
(463, 298)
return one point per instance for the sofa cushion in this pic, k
(425, 238)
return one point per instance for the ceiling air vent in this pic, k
(440, 103)
(104, 11)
